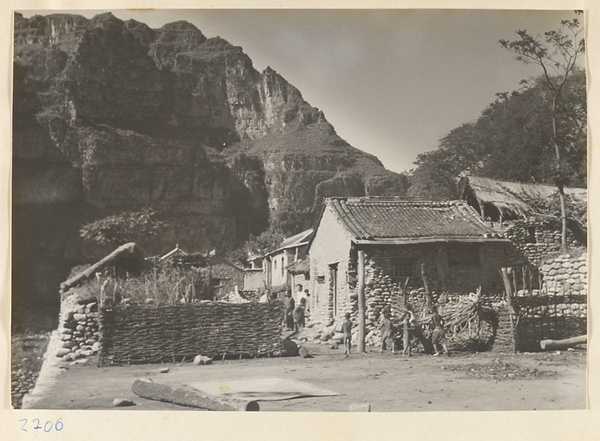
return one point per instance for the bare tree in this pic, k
(557, 55)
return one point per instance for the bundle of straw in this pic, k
(468, 325)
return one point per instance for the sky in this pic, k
(392, 82)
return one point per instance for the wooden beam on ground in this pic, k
(563, 344)
(186, 396)
(361, 301)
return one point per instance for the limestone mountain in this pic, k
(112, 115)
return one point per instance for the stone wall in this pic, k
(228, 277)
(537, 239)
(137, 335)
(559, 309)
(566, 274)
(453, 279)
(78, 326)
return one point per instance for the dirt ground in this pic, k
(389, 382)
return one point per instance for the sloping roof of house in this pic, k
(513, 198)
(398, 221)
(173, 252)
(217, 259)
(294, 241)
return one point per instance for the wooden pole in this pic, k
(426, 286)
(508, 288)
(361, 301)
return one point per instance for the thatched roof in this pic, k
(511, 199)
(299, 267)
(127, 257)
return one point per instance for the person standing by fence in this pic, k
(290, 305)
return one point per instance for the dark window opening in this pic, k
(464, 255)
(531, 235)
(402, 269)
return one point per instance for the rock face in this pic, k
(112, 115)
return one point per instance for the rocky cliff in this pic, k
(112, 115)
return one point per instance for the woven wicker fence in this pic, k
(137, 335)
(549, 317)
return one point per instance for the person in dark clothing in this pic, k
(387, 335)
(299, 314)
(290, 305)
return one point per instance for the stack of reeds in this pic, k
(469, 326)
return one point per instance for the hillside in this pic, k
(112, 115)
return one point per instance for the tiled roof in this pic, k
(398, 221)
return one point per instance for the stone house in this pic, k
(459, 251)
(224, 276)
(275, 263)
(522, 213)
(221, 275)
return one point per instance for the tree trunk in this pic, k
(186, 396)
(559, 181)
(563, 217)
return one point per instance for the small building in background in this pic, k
(275, 263)
(225, 276)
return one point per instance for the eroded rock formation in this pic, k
(112, 115)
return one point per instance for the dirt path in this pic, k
(487, 381)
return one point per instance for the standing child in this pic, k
(387, 337)
(299, 314)
(408, 326)
(438, 338)
(347, 329)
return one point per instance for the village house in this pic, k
(459, 251)
(222, 275)
(276, 262)
(225, 276)
(522, 213)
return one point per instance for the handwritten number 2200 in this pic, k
(58, 425)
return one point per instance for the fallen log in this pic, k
(562, 344)
(186, 396)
